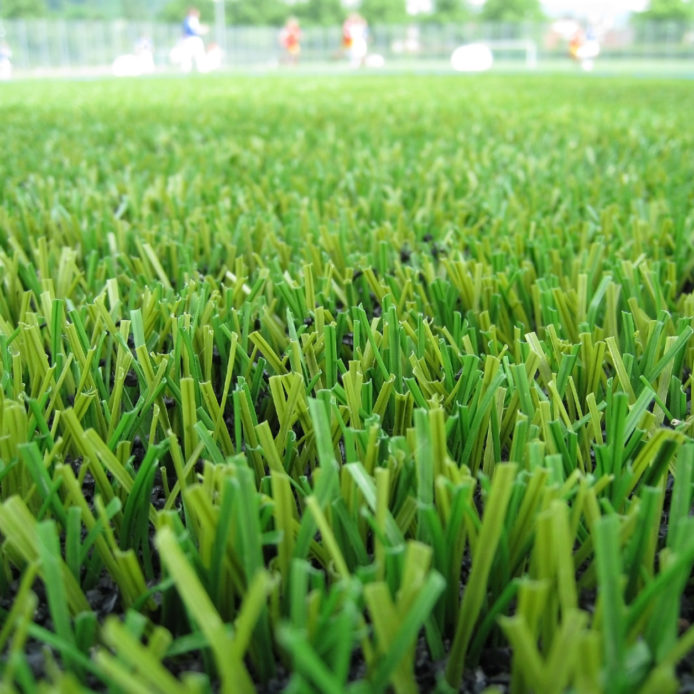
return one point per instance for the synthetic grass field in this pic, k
(369, 384)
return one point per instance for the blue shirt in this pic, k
(189, 28)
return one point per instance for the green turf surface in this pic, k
(552, 65)
(354, 384)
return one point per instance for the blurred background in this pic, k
(132, 37)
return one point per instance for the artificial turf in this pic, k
(378, 383)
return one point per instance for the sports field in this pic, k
(347, 384)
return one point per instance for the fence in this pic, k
(57, 45)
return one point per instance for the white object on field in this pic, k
(213, 57)
(191, 50)
(374, 60)
(472, 57)
(589, 50)
(133, 65)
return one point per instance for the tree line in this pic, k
(309, 12)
